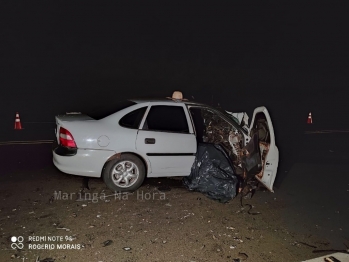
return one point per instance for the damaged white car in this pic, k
(159, 138)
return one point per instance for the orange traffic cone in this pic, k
(18, 122)
(310, 119)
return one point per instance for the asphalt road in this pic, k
(315, 187)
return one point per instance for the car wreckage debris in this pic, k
(218, 131)
(213, 175)
(247, 161)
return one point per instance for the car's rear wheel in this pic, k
(124, 174)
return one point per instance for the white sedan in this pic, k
(159, 138)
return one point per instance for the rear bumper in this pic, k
(81, 162)
(65, 151)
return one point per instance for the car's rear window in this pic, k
(103, 111)
(133, 119)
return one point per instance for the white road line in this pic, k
(15, 141)
(326, 131)
(26, 142)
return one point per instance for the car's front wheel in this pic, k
(124, 174)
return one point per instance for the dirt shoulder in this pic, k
(175, 225)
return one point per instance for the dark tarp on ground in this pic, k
(213, 174)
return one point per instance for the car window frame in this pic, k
(186, 113)
(140, 122)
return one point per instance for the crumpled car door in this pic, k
(267, 148)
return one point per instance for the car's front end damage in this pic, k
(246, 148)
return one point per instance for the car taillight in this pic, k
(66, 138)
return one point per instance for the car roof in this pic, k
(167, 100)
(184, 101)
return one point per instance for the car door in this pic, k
(262, 125)
(168, 140)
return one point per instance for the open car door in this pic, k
(262, 126)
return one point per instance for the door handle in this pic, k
(149, 140)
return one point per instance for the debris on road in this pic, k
(107, 243)
(63, 228)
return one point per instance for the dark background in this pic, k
(74, 56)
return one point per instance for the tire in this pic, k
(125, 174)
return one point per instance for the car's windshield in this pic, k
(102, 111)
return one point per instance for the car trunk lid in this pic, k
(74, 116)
(65, 120)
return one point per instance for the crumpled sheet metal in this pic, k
(264, 149)
(218, 131)
(212, 174)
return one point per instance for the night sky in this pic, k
(76, 55)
